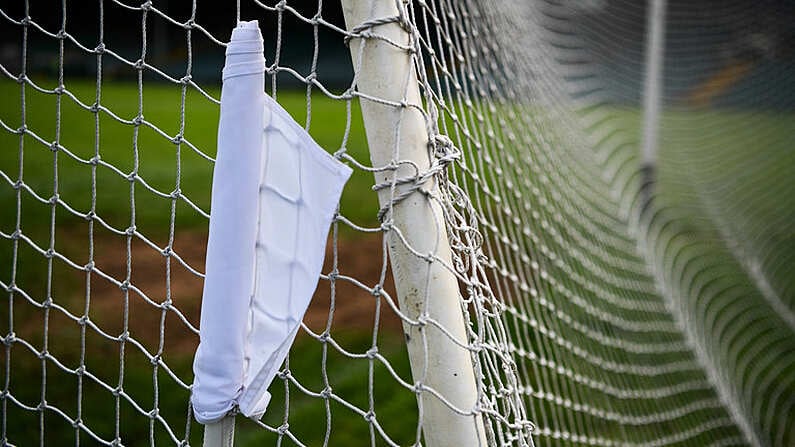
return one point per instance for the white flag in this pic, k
(274, 195)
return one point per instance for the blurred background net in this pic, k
(596, 318)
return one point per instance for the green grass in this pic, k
(394, 407)
(730, 169)
(725, 180)
(158, 159)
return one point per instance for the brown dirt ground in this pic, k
(360, 258)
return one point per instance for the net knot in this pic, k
(340, 153)
(429, 257)
(9, 339)
(282, 429)
(185, 80)
(363, 29)
(26, 21)
(146, 6)
(477, 408)
(443, 152)
(189, 24)
(372, 352)
(100, 49)
(444, 149)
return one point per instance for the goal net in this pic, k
(505, 267)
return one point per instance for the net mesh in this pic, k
(593, 318)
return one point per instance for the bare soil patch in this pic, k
(154, 278)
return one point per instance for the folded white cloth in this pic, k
(274, 195)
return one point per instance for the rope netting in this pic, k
(595, 314)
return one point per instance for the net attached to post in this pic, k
(589, 322)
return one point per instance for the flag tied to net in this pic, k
(274, 195)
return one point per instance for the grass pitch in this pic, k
(754, 203)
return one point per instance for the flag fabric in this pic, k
(275, 192)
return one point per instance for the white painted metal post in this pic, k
(652, 92)
(221, 433)
(386, 72)
(652, 97)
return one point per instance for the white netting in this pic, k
(590, 322)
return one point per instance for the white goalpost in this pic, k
(652, 94)
(435, 330)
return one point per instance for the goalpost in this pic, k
(435, 330)
(485, 281)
